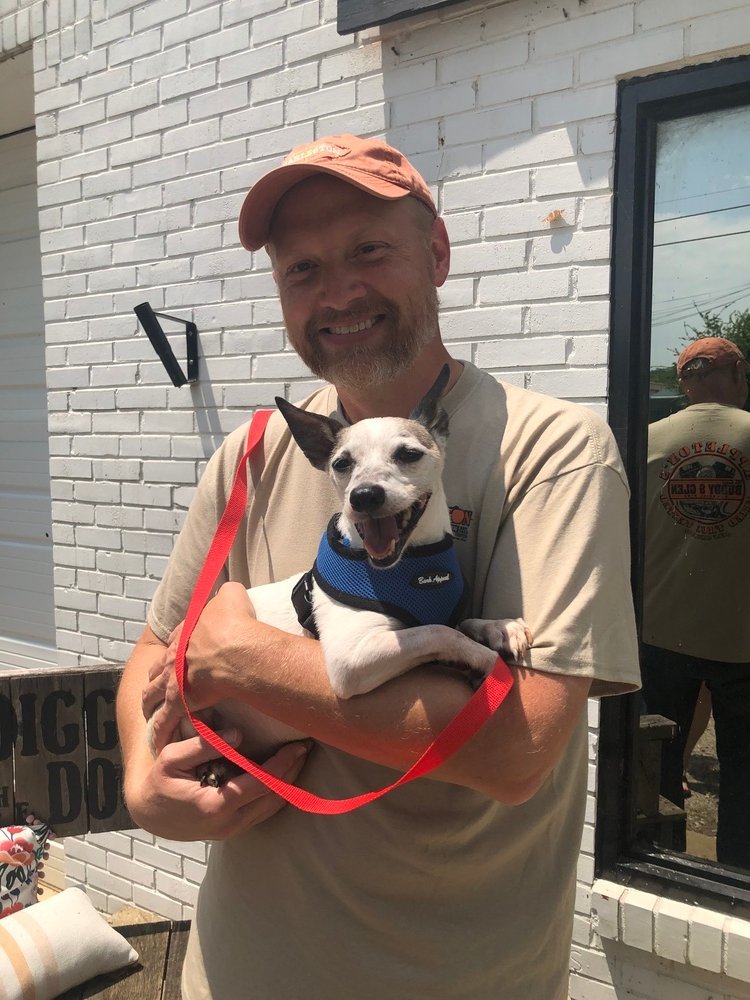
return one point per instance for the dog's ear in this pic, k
(428, 410)
(314, 433)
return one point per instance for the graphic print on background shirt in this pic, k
(706, 488)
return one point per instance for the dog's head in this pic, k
(385, 470)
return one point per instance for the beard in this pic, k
(365, 365)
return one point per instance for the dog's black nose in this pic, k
(367, 499)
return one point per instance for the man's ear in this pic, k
(440, 246)
(430, 413)
(315, 434)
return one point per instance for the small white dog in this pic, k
(386, 575)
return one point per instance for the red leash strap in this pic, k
(461, 728)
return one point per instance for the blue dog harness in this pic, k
(425, 587)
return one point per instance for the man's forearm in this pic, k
(131, 724)
(284, 676)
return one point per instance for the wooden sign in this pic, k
(59, 752)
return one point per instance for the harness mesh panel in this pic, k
(426, 586)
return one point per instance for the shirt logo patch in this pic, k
(460, 521)
(706, 488)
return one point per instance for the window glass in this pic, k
(696, 625)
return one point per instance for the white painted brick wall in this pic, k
(136, 869)
(153, 119)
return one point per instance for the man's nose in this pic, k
(367, 499)
(341, 288)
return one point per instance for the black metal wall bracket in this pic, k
(148, 320)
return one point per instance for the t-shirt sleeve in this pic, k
(170, 602)
(562, 562)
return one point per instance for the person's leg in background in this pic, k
(729, 685)
(671, 686)
(701, 718)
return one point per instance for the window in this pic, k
(679, 272)
(356, 14)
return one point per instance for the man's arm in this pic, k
(231, 655)
(163, 795)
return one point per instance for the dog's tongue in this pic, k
(380, 535)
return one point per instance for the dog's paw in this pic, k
(213, 773)
(510, 637)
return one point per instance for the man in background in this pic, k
(696, 620)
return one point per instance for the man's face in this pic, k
(357, 280)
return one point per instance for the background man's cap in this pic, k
(706, 353)
(368, 164)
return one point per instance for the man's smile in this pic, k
(343, 331)
(352, 330)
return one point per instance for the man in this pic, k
(696, 622)
(461, 886)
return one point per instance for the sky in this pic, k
(701, 224)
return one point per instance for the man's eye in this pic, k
(408, 455)
(301, 267)
(368, 249)
(341, 464)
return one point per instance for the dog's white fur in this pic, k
(364, 649)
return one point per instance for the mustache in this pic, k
(348, 317)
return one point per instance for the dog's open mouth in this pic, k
(385, 538)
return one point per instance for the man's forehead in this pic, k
(319, 200)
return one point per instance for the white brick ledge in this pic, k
(675, 931)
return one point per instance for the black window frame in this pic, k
(353, 15)
(642, 104)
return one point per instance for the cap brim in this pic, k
(261, 200)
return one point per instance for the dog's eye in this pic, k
(341, 464)
(406, 454)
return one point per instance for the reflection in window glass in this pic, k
(701, 237)
(696, 661)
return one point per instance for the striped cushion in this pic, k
(55, 945)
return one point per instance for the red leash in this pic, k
(461, 728)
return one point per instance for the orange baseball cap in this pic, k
(706, 353)
(369, 164)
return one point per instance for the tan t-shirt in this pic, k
(435, 890)
(698, 533)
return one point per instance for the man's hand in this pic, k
(170, 801)
(164, 795)
(161, 698)
(215, 635)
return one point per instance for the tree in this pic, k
(736, 327)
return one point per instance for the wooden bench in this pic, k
(657, 819)
(161, 947)
(60, 758)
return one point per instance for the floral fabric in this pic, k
(21, 851)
